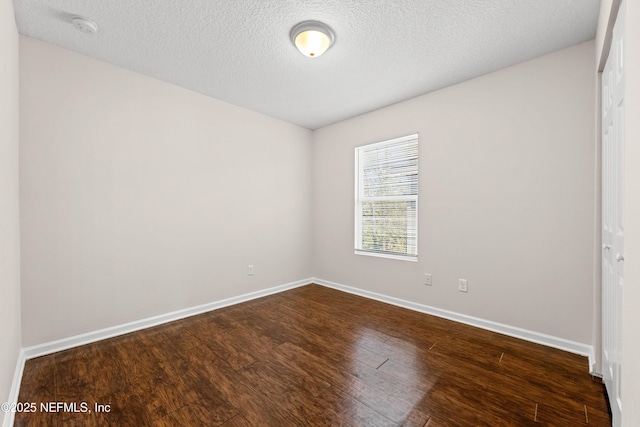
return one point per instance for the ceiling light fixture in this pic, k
(312, 38)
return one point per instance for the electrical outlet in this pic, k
(463, 285)
(250, 270)
(427, 279)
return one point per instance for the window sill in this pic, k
(389, 256)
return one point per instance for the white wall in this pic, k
(506, 197)
(140, 198)
(631, 293)
(9, 214)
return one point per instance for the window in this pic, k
(387, 199)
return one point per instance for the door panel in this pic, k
(613, 116)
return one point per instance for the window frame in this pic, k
(359, 199)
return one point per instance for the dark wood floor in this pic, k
(317, 357)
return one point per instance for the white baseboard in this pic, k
(512, 331)
(15, 389)
(89, 337)
(101, 334)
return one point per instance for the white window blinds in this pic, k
(387, 198)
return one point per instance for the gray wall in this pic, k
(506, 197)
(139, 198)
(9, 213)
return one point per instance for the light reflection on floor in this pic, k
(395, 368)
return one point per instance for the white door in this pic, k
(613, 115)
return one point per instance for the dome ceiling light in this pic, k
(312, 38)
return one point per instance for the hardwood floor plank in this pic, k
(180, 335)
(225, 345)
(252, 405)
(416, 418)
(377, 399)
(237, 421)
(296, 378)
(297, 400)
(192, 415)
(383, 403)
(125, 409)
(258, 345)
(408, 391)
(314, 356)
(39, 379)
(38, 385)
(354, 412)
(455, 398)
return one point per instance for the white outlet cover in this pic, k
(463, 285)
(427, 279)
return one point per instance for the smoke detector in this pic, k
(84, 25)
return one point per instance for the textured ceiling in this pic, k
(240, 52)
